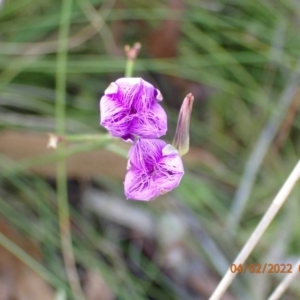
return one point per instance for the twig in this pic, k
(259, 231)
(211, 249)
(277, 250)
(281, 288)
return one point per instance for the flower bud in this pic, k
(132, 52)
(182, 136)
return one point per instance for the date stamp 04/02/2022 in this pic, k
(264, 268)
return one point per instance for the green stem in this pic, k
(129, 68)
(87, 137)
(61, 176)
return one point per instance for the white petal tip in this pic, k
(112, 89)
(159, 96)
(169, 149)
(128, 164)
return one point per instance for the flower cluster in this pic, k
(130, 110)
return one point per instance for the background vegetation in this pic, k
(240, 59)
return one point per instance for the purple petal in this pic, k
(136, 93)
(139, 186)
(154, 169)
(129, 138)
(169, 170)
(158, 96)
(129, 107)
(114, 117)
(146, 153)
(109, 107)
(151, 124)
(111, 89)
(128, 90)
(146, 97)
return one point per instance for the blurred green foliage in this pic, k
(244, 55)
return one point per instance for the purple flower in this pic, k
(154, 168)
(129, 107)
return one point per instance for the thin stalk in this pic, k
(54, 139)
(87, 137)
(129, 67)
(61, 177)
(259, 231)
(131, 53)
(282, 287)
